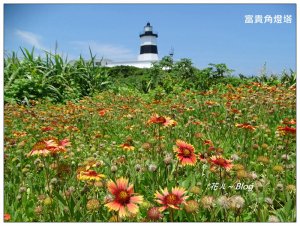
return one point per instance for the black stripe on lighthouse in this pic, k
(148, 33)
(148, 49)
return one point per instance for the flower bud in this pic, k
(48, 201)
(22, 189)
(154, 214)
(138, 167)
(93, 204)
(38, 210)
(152, 167)
(114, 168)
(191, 206)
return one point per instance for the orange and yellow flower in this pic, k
(43, 148)
(19, 134)
(247, 126)
(185, 153)
(89, 175)
(221, 162)
(289, 122)
(124, 200)
(161, 120)
(127, 147)
(171, 199)
(211, 103)
(208, 142)
(49, 146)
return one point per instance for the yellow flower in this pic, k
(89, 175)
(278, 168)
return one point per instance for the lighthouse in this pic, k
(148, 49)
(148, 52)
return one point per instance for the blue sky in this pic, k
(205, 33)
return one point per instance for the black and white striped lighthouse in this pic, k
(148, 50)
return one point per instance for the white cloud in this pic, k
(31, 38)
(113, 52)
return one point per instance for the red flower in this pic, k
(7, 217)
(171, 199)
(221, 162)
(124, 202)
(286, 130)
(47, 128)
(208, 142)
(102, 112)
(235, 111)
(185, 153)
(202, 157)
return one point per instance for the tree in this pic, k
(220, 70)
(184, 68)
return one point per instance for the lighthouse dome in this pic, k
(148, 27)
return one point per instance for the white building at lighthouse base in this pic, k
(139, 64)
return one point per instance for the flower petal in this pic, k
(130, 189)
(122, 183)
(159, 201)
(122, 212)
(162, 208)
(165, 192)
(136, 199)
(133, 208)
(174, 207)
(178, 191)
(159, 196)
(112, 187)
(113, 206)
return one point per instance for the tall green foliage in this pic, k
(58, 80)
(52, 78)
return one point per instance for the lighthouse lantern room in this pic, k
(148, 49)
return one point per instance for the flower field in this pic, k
(224, 155)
